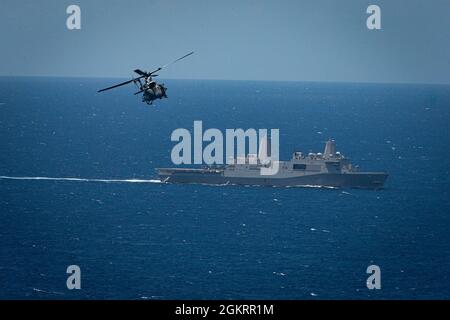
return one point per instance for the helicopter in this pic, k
(150, 89)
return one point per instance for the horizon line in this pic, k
(243, 80)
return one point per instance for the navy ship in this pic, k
(327, 169)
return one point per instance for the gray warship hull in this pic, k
(372, 180)
(330, 169)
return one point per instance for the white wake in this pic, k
(83, 179)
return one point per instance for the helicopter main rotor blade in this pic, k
(140, 72)
(166, 65)
(186, 55)
(151, 73)
(120, 84)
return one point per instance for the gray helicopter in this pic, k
(151, 89)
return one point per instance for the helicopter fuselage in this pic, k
(153, 91)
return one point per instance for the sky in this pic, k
(298, 40)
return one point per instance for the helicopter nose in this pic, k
(163, 89)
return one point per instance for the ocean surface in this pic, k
(136, 238)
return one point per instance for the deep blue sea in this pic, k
(159, 241)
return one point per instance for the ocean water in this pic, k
(135, 238)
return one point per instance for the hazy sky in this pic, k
(312, 40)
